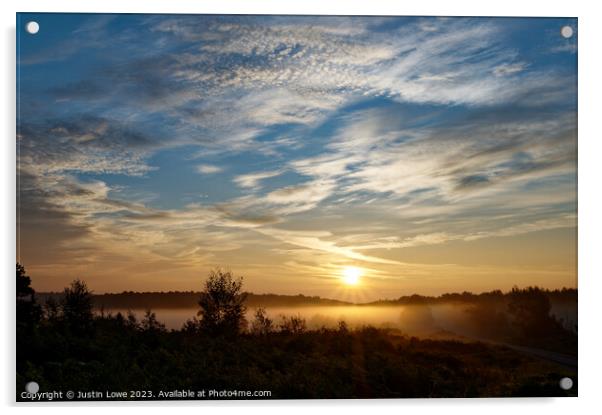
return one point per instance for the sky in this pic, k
(432, 154)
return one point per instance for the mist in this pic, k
(422, 320)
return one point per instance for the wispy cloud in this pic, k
(252, 180)
(384, 133)
(509, 68)
(208, 169)
(315, 241)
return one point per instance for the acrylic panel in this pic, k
(295, 207)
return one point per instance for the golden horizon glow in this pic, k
(422, 187)
(351, 275)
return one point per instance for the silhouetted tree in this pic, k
(119, 319)
(150, 323)
(530, 311)
(131, 321)
(52, 309)
(191, 326)
(24, 290)
(76, 306)
(262, 324)
(28, 311)
(222, 304)
(293, 325)
(488, 318)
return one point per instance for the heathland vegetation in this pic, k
(63, 344)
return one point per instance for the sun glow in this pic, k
(351, 275)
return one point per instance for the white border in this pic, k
(590, 150)
(347, 7)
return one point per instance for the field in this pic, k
(65, 346)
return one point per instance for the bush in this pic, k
(293, 324)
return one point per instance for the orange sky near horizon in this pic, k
(493, 263)
(433, 154)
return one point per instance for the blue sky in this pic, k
(154, 147)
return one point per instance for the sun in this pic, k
(351, 275)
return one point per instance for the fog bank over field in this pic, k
(533, 317)
(490, 314)
(419, 320)
(412, 346)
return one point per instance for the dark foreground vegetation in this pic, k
(63, 345)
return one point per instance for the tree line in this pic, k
(63, 344)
